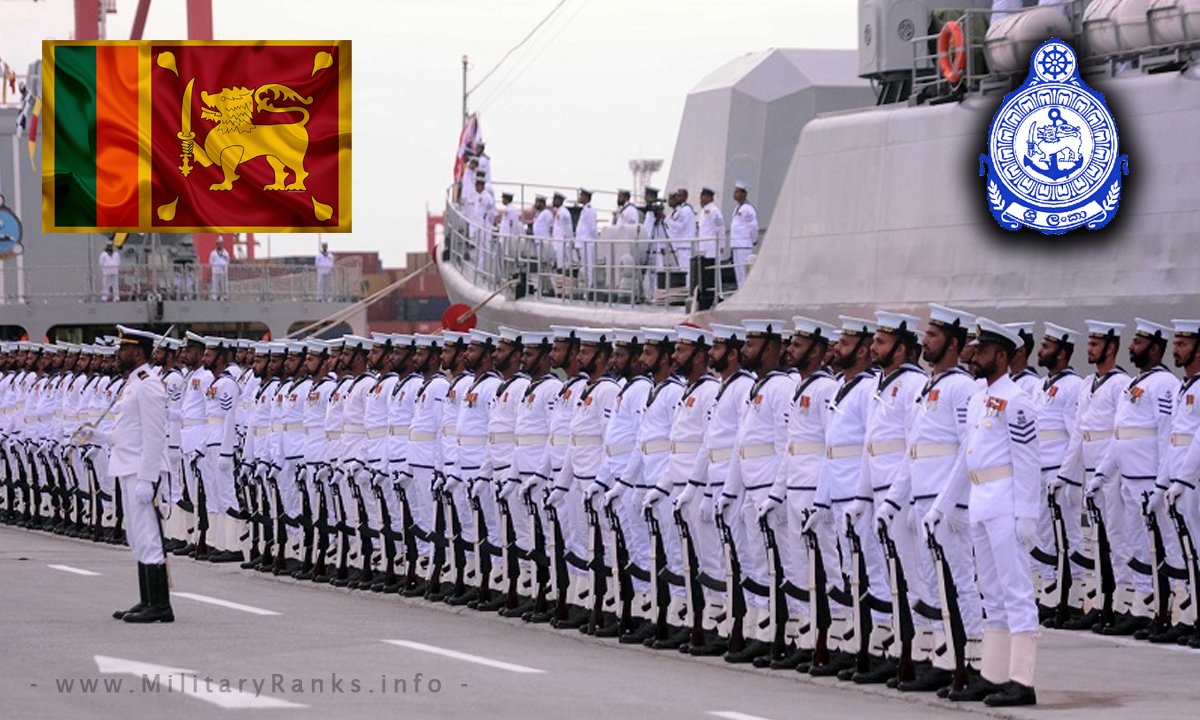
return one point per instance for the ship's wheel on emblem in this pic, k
(1054, 62)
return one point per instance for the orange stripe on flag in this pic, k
(116, 135)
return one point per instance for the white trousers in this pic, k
(1004, 577)
(142, 527)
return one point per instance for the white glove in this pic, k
(1026, 532)
(1155, 503)
(591, 491)
(721, 504)
(855, 510)
(225, 464)
(505, 490)
(684, 498)
(707, 513)
(612, 494)
(529, 486)
(143, 492)
(1055, 486)
(93, 452)
(1094, 485)
(653, 497)
(557, 498)
(767, 506)
(1175, 492)
(958, 520)
(820, 516)
(931, 520)
(885, 515)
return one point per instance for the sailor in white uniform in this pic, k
(743, 231)
(626, 214)
(1183, 462)
(1024, 376)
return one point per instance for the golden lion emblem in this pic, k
(236, 139)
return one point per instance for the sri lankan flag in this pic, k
(190, 136)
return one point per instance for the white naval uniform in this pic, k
(586, 234)
(1183, 458)
(376, 414)
(526, 479)
(484, 219)
(217, 469)
(218, 262)
(562, 233)
(354, 447)
(138, 451)
(451, 479)
(471, 446)
(424, 456)
(1057, 404)
(193, 428)
(712, 231)
(324, 263)
(682, 228)
(1029, 381)
(1138, 455)
(1002, 484)
(498, 457)
(743, 234)
(627, 216)
(110, 274)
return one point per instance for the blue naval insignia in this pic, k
(1054, 164)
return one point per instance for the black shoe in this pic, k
(611, 628)
(881, 670)
(638, 634)
(753, 649)
(1171, 635)
(712, 646)
(524, 606)
(497, 602)
(417, 589)
(539, 618)
(143, 592)
(673, 640)
(1012, 694)
(463, 598)
(226, 556)
(792, 660)
(158, 608)
(931, 680)
(577, 618)
(838, 661)
(976, 690)
(184, 551)
(1126, 626)
(1084, 621)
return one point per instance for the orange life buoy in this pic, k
(952, 51)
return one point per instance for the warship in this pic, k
(864, 168)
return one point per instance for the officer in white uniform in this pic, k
(743, 231)
(562, 232)
(218, 262)
(1003, 489)
(138, 454)
(542, 254)
(627, 213)
(324, 263)
(1136, 459)
(1183, 463)
(484, 218)
(586, 234)
(681, 227)
(712, 225)
(110, 274)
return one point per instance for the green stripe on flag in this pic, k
(75, 136)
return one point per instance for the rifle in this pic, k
(951, 615)
(777, 600)
(249, 500)
(201, 510)
(538, 555)
(483, 550)
(1108, 582)
(96, 513)
(558, 554)
(658, 566)
(306, 522)
(81, 496)
(902, 622)
(819, 596)
(621, 569)
(458, 553)
(1062, 562)
(365, 533)
(344, 530)
(438, 538)
(322, 522)
(410, 535)
(1158, 565)
(733, 586)
(264, 486)
(389, 537)
(861, 588)
(1189, 551)
(10, 487)
(599, 571)
(508, 552)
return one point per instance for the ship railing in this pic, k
(623, 268)
(237, 282)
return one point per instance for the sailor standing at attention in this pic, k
(139, 449)
(1004, 498)
(743, 231)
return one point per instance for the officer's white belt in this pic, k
(1181, 439)
(276, 427)
(1052, 435)
(398, 430)
(587, 440)
(216, 421)
(621, 449)
(980, 477)
(918, 452)
(421, 436)
(750, 452)
(720, 454)
(472, 440)
(333, 434)
(525, 440)
(293, 427)
(805, 448)
(678, 448)
(1096, 435)
(885, 447)
(560, 440)
(449, 430)
(501, 438)
(260, 431)
(355, 429)
(1134, 433)
(835, 452)
(375, 433)
(655, 447)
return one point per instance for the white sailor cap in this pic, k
(727, 333)
(194, 339)
(692, 335)
(212, 341)
(262, 348)
(358, 342)
(484, 338)
(336, 343)
(71, 347)
(297, 347)
(657, 336)
(1062, 335)
(22, 346)
(403, 340)
(539, 197)
(857, 327)
(626, 337)
(814, 329)
(920, 337)
(428, 341)
(595, 336)
(564, 333)
(1022, 329)
(244, 343)
(172, 344)
(510, 335)
(1152, 330)
(277, 347)
(764, 327)
(380, 338)
(949, 318)
(739, 185)
(990, 331)
(894, 323)
(533, 338)
(49, 349)
(1186, 328)
(130, 336)
(316, 346)
(108, 350)
(450, 337)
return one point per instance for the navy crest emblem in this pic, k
(1053, 163)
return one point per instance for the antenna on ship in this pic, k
(643, 169)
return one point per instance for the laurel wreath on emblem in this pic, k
(994, 195)
(1114, 194)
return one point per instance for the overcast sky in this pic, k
(603, 81)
